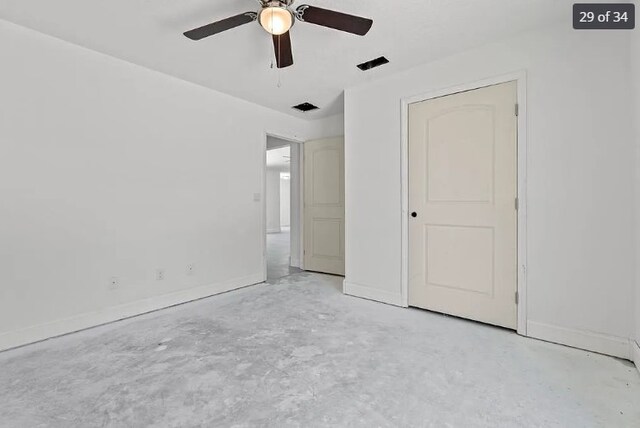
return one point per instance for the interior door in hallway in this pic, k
(324, 206)
(462, 204)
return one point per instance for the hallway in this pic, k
(278, 255)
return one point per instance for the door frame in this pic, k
(299, 208)
(520, 77)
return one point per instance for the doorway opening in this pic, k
(282, 196)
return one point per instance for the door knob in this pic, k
(414, 214)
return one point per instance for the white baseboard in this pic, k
(370, 293)
(294, 261)
(278, 230)
(589, 341)
(25, 336)
(635, 352)
(595, 342)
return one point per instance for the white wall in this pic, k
(273, 200)
(635, 58)
(332, 126)
(580, 175)
(285, 202)
(111, 170)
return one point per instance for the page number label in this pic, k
(604, 16)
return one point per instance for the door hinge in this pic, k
(517, 204)
(517, 298)
(517, 109)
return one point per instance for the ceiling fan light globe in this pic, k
(276, 20)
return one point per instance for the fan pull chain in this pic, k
(278, 57)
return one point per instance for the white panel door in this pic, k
(462, 205)
(324, 206)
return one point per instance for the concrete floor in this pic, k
(296, 352)
(278, 255)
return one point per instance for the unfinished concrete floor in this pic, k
(278, 252)
(299, 353)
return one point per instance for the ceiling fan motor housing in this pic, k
(280, 6)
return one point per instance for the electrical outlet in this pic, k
(257, 197)
(190, 270)
(113, 283)
(160, 275)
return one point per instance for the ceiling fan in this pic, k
(277, 17)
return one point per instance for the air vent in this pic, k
(305, 107)
(365, 66)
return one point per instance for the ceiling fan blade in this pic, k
(282, 46)
(220, 26)
(332, 19)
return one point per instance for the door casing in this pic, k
(520, 78)
(299, 208)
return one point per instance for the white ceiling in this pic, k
(237, 62)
